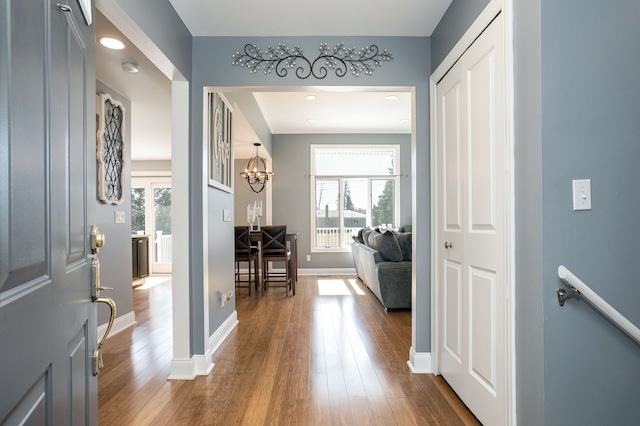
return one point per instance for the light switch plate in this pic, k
(226, 215)
(119, 217)
(582, 194)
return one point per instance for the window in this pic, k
(352, 186)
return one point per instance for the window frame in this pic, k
(395, 176)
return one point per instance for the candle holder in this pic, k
(258, 211)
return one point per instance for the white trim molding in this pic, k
(419, 362)
(121, 323)
(222, 332)
(202, 364)
(326, 271)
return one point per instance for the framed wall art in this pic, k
(219, 141)
(110, 149)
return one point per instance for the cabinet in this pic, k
(140, 256)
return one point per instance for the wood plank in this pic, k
(310, 359)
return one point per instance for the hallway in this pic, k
(329, 355)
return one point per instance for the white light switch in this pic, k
(226, 215)
(582, 194)
(119, 217)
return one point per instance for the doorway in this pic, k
(151, 216)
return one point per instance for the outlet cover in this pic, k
(226, 215)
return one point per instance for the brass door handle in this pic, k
(97, 353)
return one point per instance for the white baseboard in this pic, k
(201, 365)
(419, 362)
(216, 339)
(326, 271)
(121, 323)
(182, 369)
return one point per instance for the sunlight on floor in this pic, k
(333, 288)
(356, 287)
(150, 282)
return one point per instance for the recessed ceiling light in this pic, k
(130, 67)
(392, 98)
(311, 97)
(311, 120)
(404, 120)
(112, 43)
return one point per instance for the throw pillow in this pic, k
(387, 246)
(358, 236)
(404, 241)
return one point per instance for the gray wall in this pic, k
(590, 127)
(163, 26)
(456, 20)
(115, 256)
(212, 57)
(291, 190)
(246, 103)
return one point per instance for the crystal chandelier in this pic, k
(256, 172)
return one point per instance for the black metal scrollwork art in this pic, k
(339, 59)
(111, 148)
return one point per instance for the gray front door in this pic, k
(47, 193)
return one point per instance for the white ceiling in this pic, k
(305, 18)
(336, 110)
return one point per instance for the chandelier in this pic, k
(256, 172)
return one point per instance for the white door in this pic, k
(471, 267)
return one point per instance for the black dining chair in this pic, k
(274, 249)
(245, 252)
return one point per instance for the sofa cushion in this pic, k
(404, 241)
(387, 245)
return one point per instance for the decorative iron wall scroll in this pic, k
(339, 59)
(110, 150)
(219, 121)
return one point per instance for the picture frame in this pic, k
(110, 149)
(219, 122)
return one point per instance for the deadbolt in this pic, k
(97, 239)
(448, 245)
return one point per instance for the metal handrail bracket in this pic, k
(578, 287)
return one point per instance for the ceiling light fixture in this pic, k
(404, 120)
(392, 98)
(256, 172)
(111, 43)
(130, 67)
(311, 97)
(311, 120)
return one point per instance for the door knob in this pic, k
(448, 245)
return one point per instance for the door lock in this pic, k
(97, 239)
(448, 245)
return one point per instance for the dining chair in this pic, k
(245, 252)
(274, 249)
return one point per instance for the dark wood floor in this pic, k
(328, 356)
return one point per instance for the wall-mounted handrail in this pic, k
(578, 287)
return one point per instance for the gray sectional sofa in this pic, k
(383, 264)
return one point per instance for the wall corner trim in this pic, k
(419, 362)
(182, 369)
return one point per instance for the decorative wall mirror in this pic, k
(110, 150)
